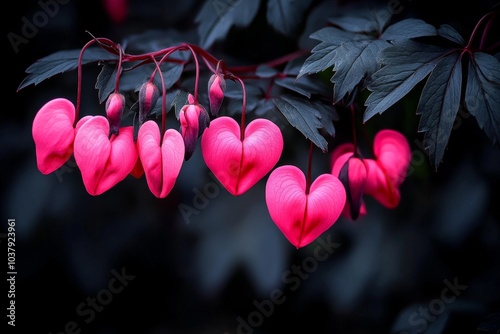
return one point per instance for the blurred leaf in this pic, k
(216, 18)
(286, 15)
(60, 62)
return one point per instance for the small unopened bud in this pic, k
(148, 95)
(216, 89)
(194, 120)
(115, 104)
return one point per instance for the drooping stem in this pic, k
(354, 136)
(163, 103)
(309, 168)
(197, 69)
(476, 28)
(243, 104)
(486, 30)
(106, 44)
(118, 70)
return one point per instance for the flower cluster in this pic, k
(238, 154)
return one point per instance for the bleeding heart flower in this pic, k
(302, 217)
(53, 134)
(103, 160)
(194, 120)
(379, 177)
(240, 163)
(161, 160)
(352, 172)
(388, 170)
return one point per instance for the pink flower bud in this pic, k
(114, 111)
(216, 89)
(194, 119)
(148, 95)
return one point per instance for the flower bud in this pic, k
(148, 95)
(216, 89)
(115, 104)
(194, 120)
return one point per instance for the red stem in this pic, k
(309, 168)
(476, 28)
(243, 104)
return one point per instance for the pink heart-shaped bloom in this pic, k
(388, 170)
(103, 161)
(303, 217)
(53, 134)
(161, 162)
(240, 164)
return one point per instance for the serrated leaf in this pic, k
(365, 20)
(322, 54)
(307, 118)
(354, 61)
(404, 66)
(305, 86)
(450, 34)
(439, 103)
(216, 18)
(106, 81)
(286, 15)
(408, 28)
(60, 62)
(355, 56)
(482, 95)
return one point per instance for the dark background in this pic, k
(203, 275)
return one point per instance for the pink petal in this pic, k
(392, 151)
(53, 134)
(353, 176)
(116, 9)
(240, 165)
(103, 162)
(380, 186)
(341, 150)
(303, 217)
(161, 164)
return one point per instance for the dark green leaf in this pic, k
(450, 34)
(482, 95)
(363, 20)
(405, 65)
(322, 54)
(408, 28)
(307, 117)
(354, 61)
(216, 18)
(305, 86)
(106, 81)
(439, 103)
(60, 62)
(286, 15)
